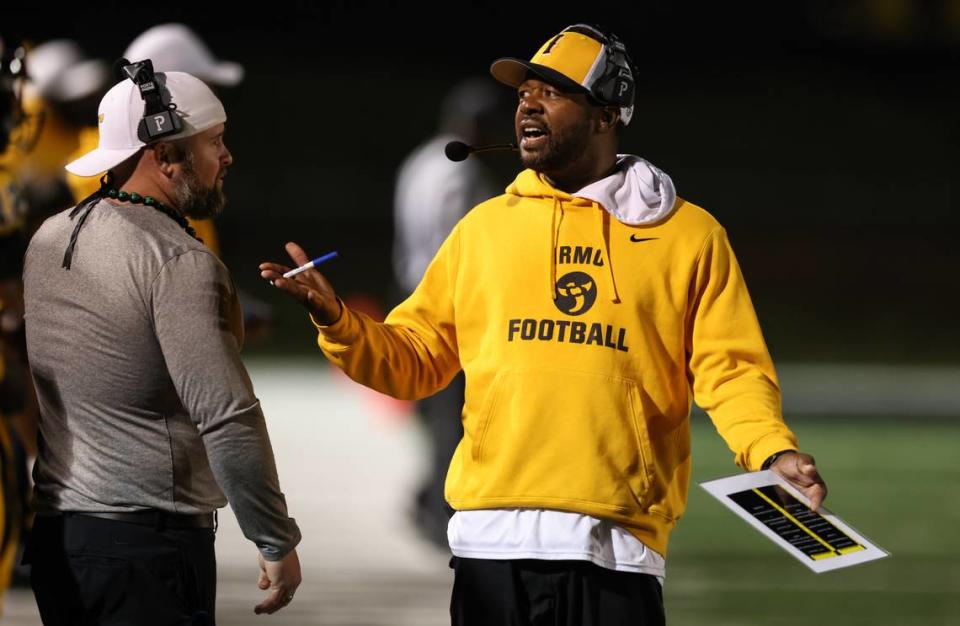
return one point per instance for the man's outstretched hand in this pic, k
(309, 288)
(800, 470)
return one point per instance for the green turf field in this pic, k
(898, 483)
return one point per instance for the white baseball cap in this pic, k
(176, 47)
(59, 71)
(121, 110)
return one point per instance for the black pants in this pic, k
(87, 571)
(554, 593)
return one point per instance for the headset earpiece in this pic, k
(157, 125)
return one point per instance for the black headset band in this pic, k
(159, 118)
(613, 87)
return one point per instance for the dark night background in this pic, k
(824, 136)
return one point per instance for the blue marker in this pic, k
(306, 266)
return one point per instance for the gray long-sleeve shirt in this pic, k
(144, 401)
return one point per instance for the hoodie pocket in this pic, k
(564, 435)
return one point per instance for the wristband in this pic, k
(773, 458)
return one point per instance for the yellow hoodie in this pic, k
(583, 340)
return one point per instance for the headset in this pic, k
(159, 115)
(616, 84)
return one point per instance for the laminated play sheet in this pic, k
(818, 539)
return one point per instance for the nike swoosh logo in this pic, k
(636, 239)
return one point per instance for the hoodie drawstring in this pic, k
(605, 236)
(554, 239)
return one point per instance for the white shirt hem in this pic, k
(561, 556)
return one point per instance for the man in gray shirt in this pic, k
(149, 422)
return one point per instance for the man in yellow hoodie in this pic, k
(588, 307)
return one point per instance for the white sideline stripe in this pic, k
(870, 390)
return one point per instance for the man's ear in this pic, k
(163, 153)
(609, 118)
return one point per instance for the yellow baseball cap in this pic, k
(581, 59)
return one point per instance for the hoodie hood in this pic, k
(638, 193)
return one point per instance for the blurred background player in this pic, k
(56, 89)
(60, 100)
(432, 194)
(14, 388)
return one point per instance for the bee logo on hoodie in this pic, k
(576, 293)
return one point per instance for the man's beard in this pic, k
(563, 148)
(193, 198)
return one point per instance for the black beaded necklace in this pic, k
(135, 198)
(83, 208)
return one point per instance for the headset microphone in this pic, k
(459, 151)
